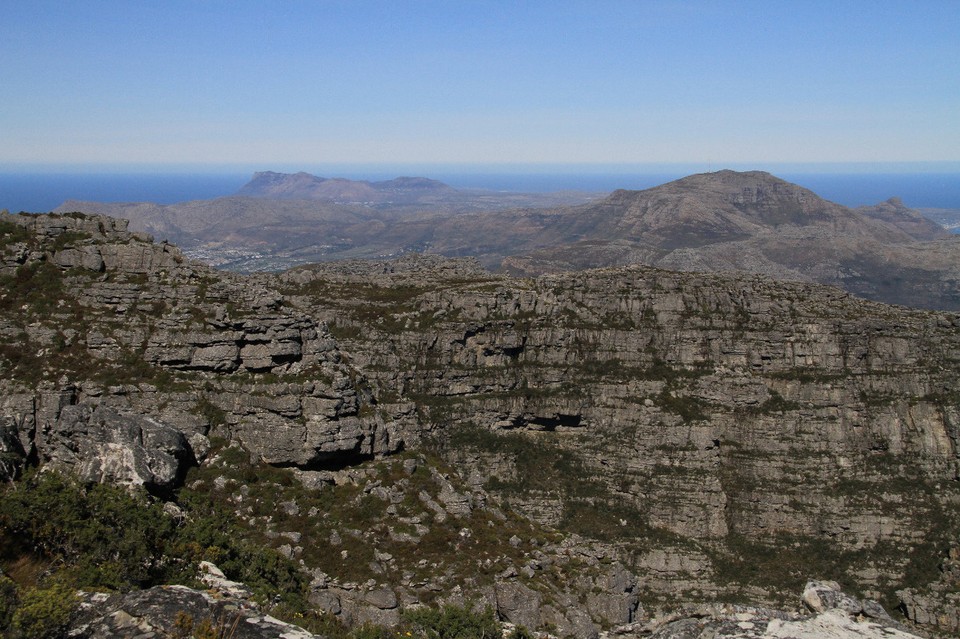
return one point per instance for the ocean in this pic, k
(41, 192)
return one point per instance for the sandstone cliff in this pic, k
(719, 431)
(667, 436)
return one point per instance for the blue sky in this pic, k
(421, 82)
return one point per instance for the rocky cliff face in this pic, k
(722, 433)
(96, 315)
(672, 436)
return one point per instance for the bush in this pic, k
(107, 536)
(44, 613)
(9, 600)
(211, 534)
(453, 622)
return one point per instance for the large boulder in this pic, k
(837, 615)
(101, 445)
(173, 611)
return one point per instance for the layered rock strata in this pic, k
(98, 317)
(742, 424)
(720, 436)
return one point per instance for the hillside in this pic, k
(754, 223)
(581, 451)
(278, 220)
(750, 222)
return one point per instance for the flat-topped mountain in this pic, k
(303, 186)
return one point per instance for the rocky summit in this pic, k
(754, 222)
(625, 451)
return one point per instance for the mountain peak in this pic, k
(722, 204)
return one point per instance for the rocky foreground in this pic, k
(829, 615)
(585, 453)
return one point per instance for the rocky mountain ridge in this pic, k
(747, 222)
(647, 436)
(753, 222)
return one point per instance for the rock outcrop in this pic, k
(131, 326)
(836, 615)
(678, 437)
(173, 611)
(99, 445)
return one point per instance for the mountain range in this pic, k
(750, 222)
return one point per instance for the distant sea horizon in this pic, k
(40, 191)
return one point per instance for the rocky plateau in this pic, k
(625, 451)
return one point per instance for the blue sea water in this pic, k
(44, 191)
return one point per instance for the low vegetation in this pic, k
(58, 535)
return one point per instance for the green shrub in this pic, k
(11, 233)
(9, 600)
(102, 536)
(38, 285)
(105, 535)
(453, 622)
(44, 613)
(520, 633)
(212, 534)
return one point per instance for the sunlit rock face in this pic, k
(719, 435)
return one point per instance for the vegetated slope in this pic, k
(756, 223)
(668, 436)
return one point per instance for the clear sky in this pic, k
(460, 81)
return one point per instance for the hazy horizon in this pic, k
(40, 191)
